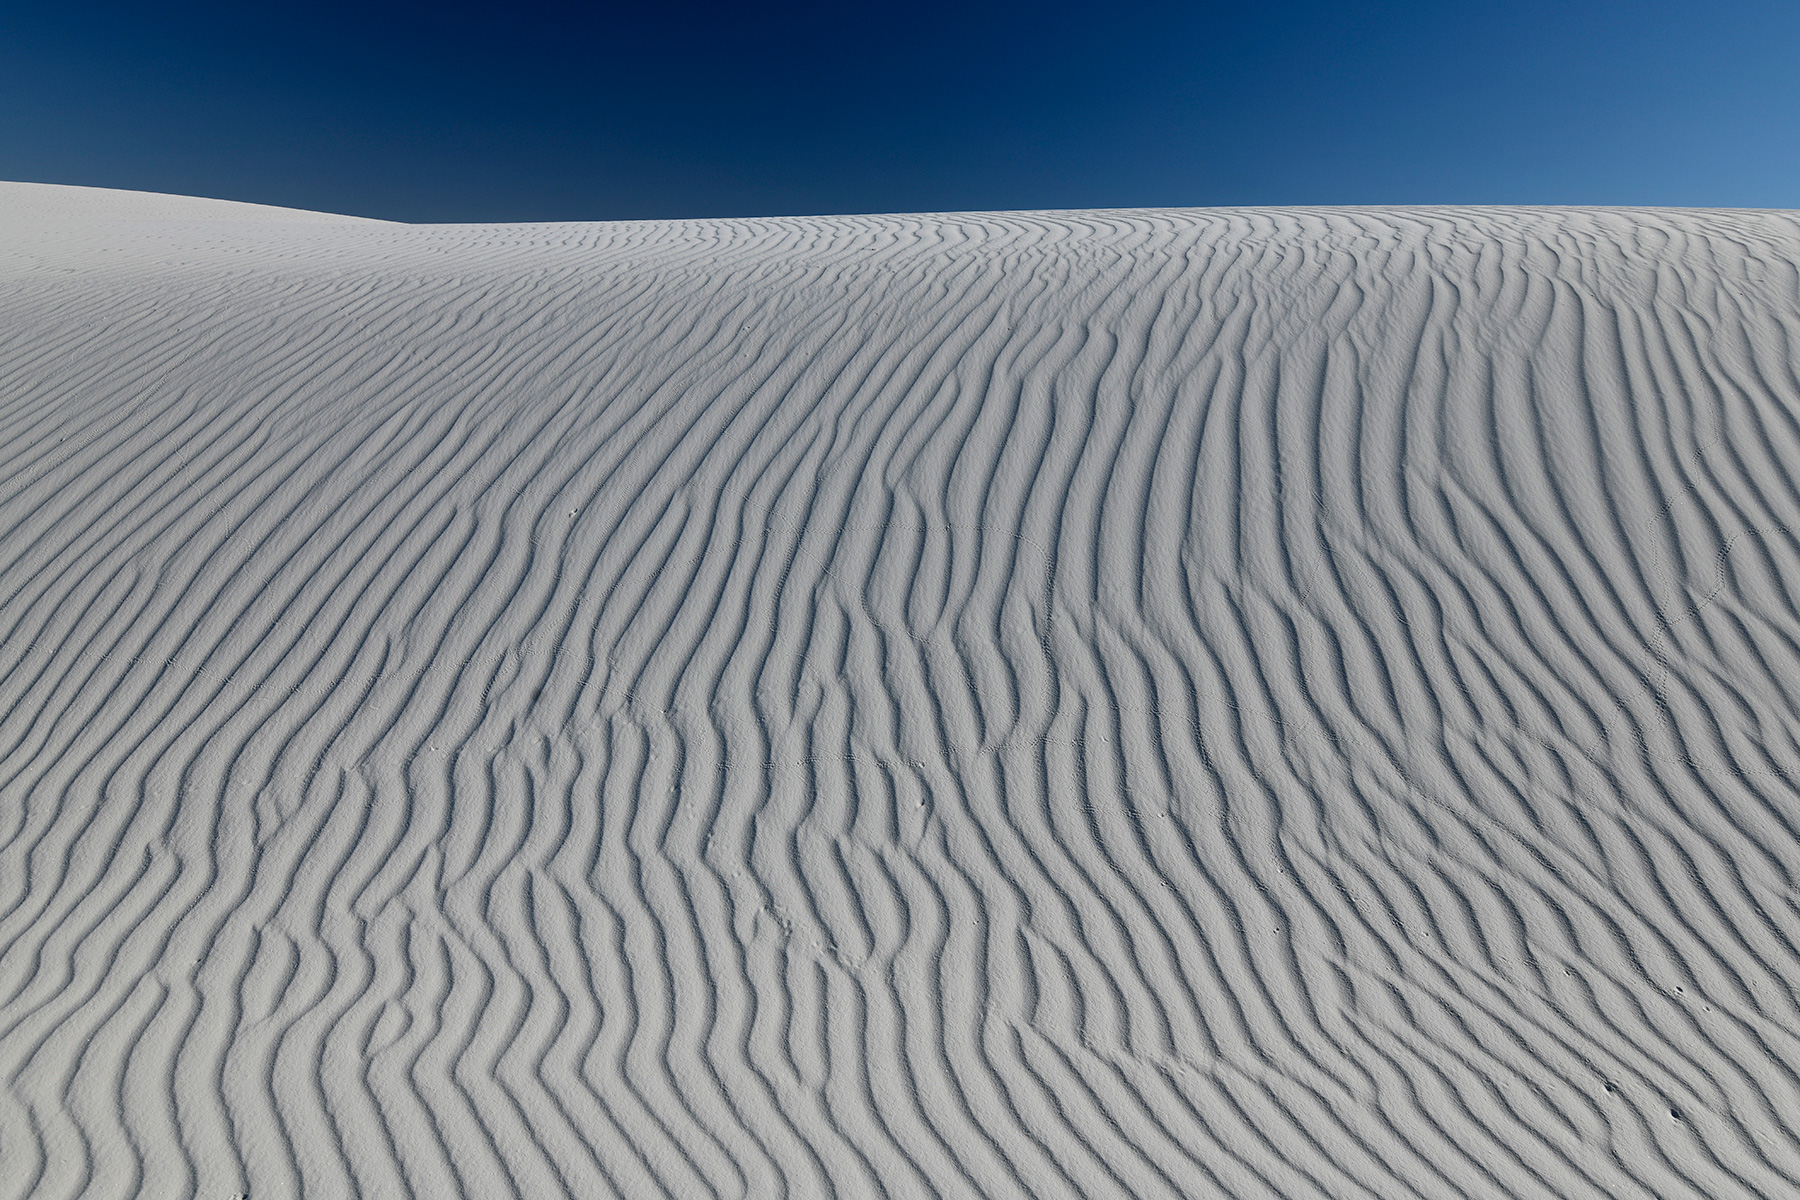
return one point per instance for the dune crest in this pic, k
(1257, 703)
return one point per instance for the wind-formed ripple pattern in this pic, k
(1288, 703)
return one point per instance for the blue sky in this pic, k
(561, 111)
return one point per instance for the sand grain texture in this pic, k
(1263, 703)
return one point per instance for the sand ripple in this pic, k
(1263, 703)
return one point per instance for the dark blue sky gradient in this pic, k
(557, 111)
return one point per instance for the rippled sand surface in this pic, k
(1233, 703)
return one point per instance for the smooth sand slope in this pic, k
(1217, 704)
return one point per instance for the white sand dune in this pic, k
(1265, 703)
